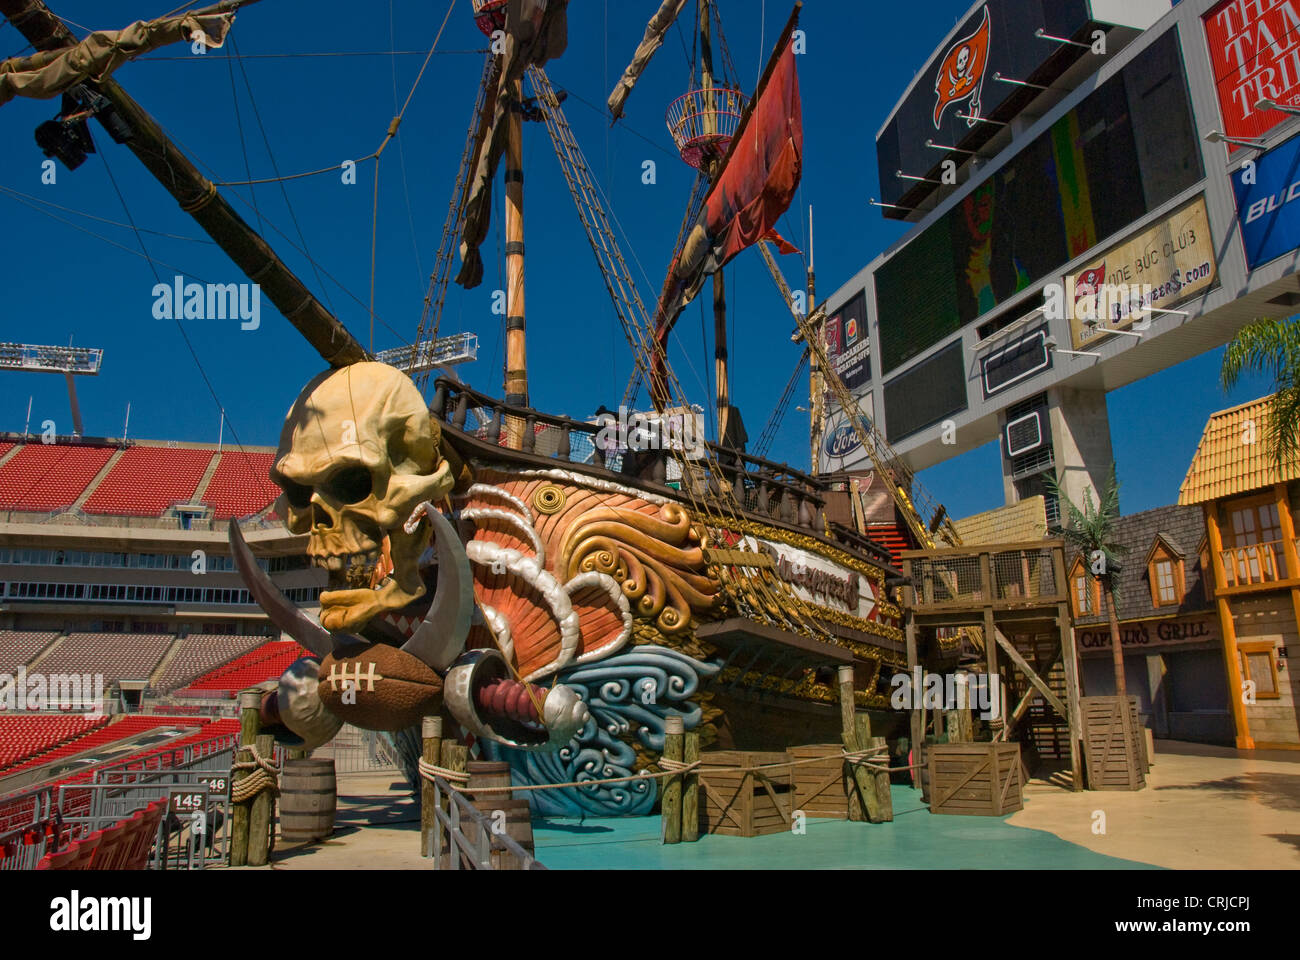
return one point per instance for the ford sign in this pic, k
(843, 441)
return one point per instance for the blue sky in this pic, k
(62, 283)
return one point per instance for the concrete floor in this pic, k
(1204, 808)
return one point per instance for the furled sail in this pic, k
(51, 72)
(655, 31)
(756, 187)
(536, 31)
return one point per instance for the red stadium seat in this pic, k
(58, 861)
(85, 850)
(241, 485)
(148, 480)
(46, 477)
(113, 844)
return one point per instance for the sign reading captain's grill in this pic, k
(1163, 265)
(1267, 207)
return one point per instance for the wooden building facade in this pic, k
(1249, 507)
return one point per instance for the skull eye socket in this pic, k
(298, 495)
(350, 485)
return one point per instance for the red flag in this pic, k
(762, 173)
(961, 74)
(1088, 283)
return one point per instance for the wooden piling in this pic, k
(250, 704)
(431, 731)
(875, 808)
(691, 789)
(260, 812)
(454, 757)
(862, 796)
(884, 799)
(671, 805)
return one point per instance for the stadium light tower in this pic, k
(435, 355)
(69, 361)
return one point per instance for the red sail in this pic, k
(755, 189)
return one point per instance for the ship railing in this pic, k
(762, 487)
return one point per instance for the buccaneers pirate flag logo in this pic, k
(961, 73)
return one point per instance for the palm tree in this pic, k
(1091, 532)
(1271, 347)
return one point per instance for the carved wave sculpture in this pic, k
(630, 695)
(561, 568)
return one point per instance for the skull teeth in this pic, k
(352, 571)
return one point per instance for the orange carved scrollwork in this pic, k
(657, 560)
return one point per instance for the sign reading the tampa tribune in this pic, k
(1255, 49)
(1160, 267)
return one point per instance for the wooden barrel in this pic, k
(518, 819)
(308, 800)
(484, 774)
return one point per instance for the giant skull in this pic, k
(357, 455)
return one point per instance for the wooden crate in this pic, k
(745, 804)
(1113, 744)
(975, 779)
(820, 789)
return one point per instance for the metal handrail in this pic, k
(479, 850)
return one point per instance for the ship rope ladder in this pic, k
(440, 278)
(629, 307)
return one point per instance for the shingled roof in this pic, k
(1233, 457)
(1183, 529)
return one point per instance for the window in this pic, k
(1165, 590)
(1085, 593)
(1165, 573)
(1259, 664)
(1252, 541)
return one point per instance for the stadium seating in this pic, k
(102, 734)
(45, 477)
(118, 656)
(23, 736)
(267, 662)
(241, 485)
(199, 654)
(18, 647)
(147, 480)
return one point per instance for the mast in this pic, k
(516, 386)
(714, 169)
(199, 198)
(816, 381)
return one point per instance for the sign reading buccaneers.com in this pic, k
(1162, 266)
(1255, 49)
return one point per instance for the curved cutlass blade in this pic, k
(440, 639)
(283, 613)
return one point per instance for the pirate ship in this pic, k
(556, 596)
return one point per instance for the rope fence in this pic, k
(670, 768)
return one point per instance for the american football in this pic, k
(379, 688)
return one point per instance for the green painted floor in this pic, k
(915, 840)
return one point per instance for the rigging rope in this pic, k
(175, 314)
(782, 408)
(266, 142)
